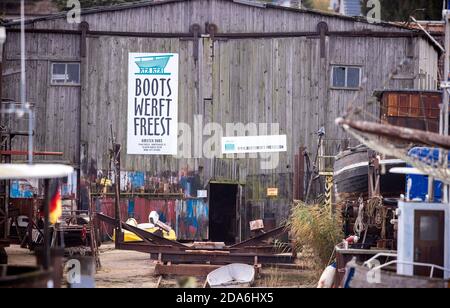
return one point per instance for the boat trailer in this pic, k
(198, 260)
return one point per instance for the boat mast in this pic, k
(444, 117)
(24, 106)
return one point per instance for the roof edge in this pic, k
(253, 3)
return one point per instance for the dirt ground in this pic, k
(129, 269)
(125, 269)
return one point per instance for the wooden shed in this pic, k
(411, 108)
(240, 62)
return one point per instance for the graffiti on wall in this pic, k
(29, 188)
(189, 218)
(185, 181)
(132, 181)
(69, 186)
(193, 219)
(24, 188)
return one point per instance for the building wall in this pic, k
(56, 107)
(272, 79)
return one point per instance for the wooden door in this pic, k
(429, 241)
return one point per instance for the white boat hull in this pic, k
(232, 276)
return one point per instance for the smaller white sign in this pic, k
(202, 194)
(254, 144)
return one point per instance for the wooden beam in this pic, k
(194, 270)
(397, 132)
(36, 153)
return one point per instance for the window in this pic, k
(429, 228)
(66, 73)
(346, 77)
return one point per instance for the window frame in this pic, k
(65, 83)
(347, 67)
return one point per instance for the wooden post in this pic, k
(296, 177)
(299, 174)
(1, 73)
(93, 233)
(116, 162)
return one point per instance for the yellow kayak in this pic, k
(131, 237)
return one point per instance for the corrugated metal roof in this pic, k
(351, 7)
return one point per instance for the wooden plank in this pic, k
(36, 153)
(194, 270)
(158, 283)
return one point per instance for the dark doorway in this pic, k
(222, 213)
(429, 241)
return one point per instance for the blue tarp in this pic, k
(419, 187)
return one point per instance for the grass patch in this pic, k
(315, 228)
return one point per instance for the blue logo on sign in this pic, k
(230, 147)
(153, 65)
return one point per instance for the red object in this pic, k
(84, 233)
(22, 153)
(351, 239)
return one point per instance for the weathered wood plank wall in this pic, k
(56, 107)
(247, 80)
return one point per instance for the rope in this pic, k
(371, 213)
(360, 226)
(375, 211)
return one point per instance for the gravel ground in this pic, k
(125, 269)
(129, 269)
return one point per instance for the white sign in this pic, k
(202, 194)
(254, 144)
(152, 103)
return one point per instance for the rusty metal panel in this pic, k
(166, 210)
(192, 220)
(430, 125)
(106, 207)
(411, 104)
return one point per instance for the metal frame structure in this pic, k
(253, 251)
(374, 267)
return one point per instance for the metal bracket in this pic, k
(195, 30)
(322, 29)
(84, 28)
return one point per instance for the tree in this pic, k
(308, 4)
(400, 10)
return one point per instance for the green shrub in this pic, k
(315, 227)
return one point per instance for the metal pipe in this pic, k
(30, 135)
(23, 95)
(431, 266)
(22, 56)
(235, 35)
(46, 252)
